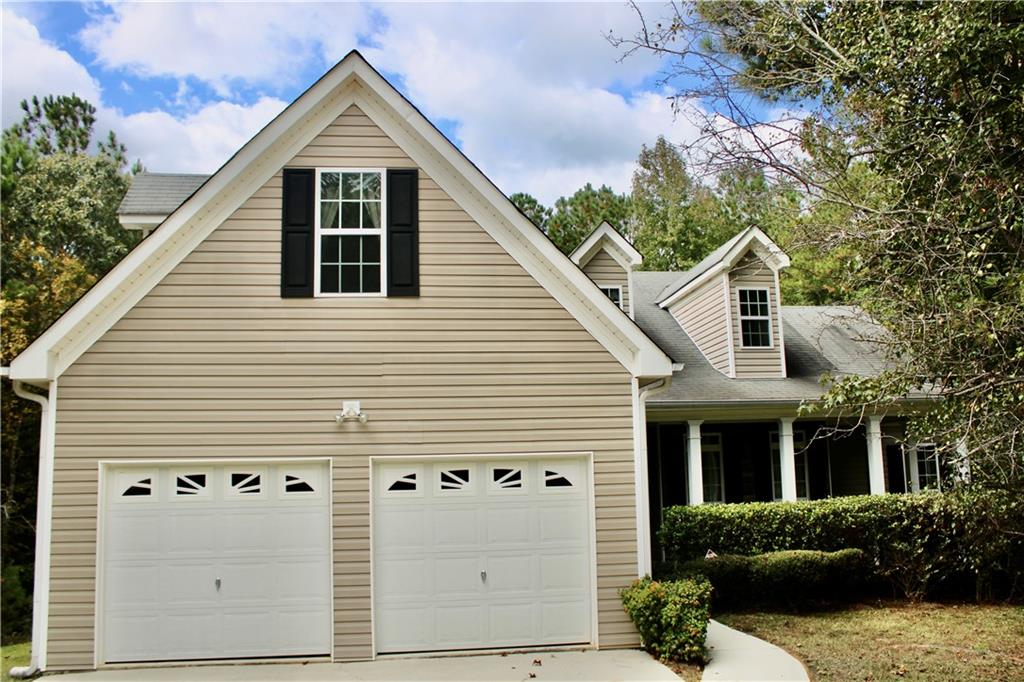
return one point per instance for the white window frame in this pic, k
(352, 232)
(768, 317)
(607, 287)
(918, 483)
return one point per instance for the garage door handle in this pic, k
(216, 584)
(483, 576)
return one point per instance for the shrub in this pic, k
(16, 600)
(931, 544)
(792, 578)
(671, 616)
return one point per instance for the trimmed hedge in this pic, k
(931, 544)
(792, 578)
(671, 616)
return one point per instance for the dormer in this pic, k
(729, 306)
(607, 258)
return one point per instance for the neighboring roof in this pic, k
(352, 81)
(819, 339)
(607, 237)
(725, 256)
(159, 193)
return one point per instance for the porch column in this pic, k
(876, 467)
(694, 464)
(915, 482)
(787, 459)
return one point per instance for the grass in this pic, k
(13, 655)
(898, 640)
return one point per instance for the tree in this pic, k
(573, 218)
(537, 212)
(60, 233)
(922, 104)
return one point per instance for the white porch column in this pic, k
(787, 459)
(912, 471)
(694, 465)
(876, 467)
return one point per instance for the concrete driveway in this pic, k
(549, 666)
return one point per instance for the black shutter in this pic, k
(297, 232)
(403, 232)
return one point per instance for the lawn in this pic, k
(13, 655)
(898, 640)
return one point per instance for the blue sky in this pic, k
(534, 94)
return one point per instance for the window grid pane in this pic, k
(755, 318)
(350, 264)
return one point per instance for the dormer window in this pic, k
(612, 292)
(755, 318)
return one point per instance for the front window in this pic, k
(927, 467)
(614, 293)
(350, 229)
(755, 319)
(712, 467)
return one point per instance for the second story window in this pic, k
(755, 319)
(350, 228)
(614, 293)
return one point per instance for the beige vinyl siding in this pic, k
(606, 271)
(703, 315)
(755, 363)
(214, 363)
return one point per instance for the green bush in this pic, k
(671, 616)
(931, 544)
(792, 578)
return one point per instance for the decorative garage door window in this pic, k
(454, 479)
(300, 481)
(402, 480)
(245, 483)
(507, 479)
(134, 485)
(192, 484)
(553, 479)
(562, 476)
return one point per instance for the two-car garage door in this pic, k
(233, 560)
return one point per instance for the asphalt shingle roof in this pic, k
(159, 193)
(818, 339)
(682, 279)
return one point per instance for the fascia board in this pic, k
(513, 232)
(131, 279)
(627, 256)
(141, 221)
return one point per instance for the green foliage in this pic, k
(671, 616)
(16, 603)
(965, 542)
(538, 213)
(573, 218)
(788, 579)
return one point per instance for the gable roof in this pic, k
(351, 81)
(607, 237)
(723, 258)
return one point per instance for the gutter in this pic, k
(44, 518)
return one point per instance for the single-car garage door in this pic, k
(205, 561)
(481, 553)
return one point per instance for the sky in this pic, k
(534, 94)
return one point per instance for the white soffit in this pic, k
(351, 81)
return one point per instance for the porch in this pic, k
(786, 459)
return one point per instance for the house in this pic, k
(344, 400)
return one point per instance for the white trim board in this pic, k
(621, 250)
(351, 81)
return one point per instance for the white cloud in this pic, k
(200, 141)
(34, 66)
(268, 44)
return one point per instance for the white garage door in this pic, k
(478, 554)
(216, 561)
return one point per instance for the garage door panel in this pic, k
(215, 571)
(507, 562)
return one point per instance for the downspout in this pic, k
(44, 516)
(641, 482)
